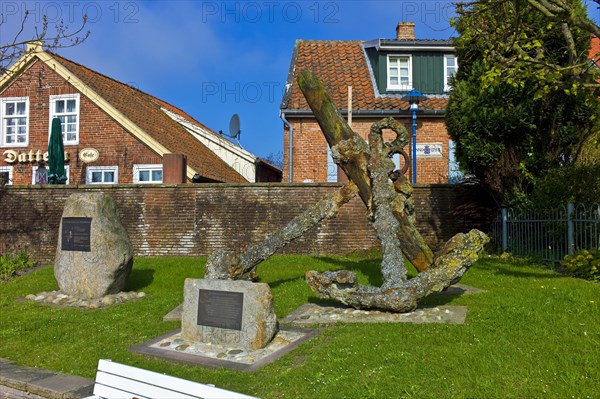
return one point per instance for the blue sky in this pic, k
(217, 58)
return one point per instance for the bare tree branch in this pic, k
(63, 37)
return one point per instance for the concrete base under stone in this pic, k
(175, 314)
(312, 313)
(58, 298)
(171, 346)
(460, 289)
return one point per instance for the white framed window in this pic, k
(66, 108)
(332, 168)
(35, 168)
(399, 72)
(454, 174)
(450, 68)
(102, 175)
(6, 175)
(14, 121)
(148, 173)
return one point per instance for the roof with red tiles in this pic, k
(145, 111)
(340, 64)
(595, 50)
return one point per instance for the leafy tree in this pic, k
(522, 102)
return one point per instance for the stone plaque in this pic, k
(96, 269)
(221, 309)
(76, 234)
(235, 313)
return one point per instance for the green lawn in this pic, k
(532, 334)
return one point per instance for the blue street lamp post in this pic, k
(414, 97)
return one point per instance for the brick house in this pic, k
(113, 133)
(595, 51)
(380, 72)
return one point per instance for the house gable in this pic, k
(340, 64)
(138, 113)
(151, 123)
(115, 145)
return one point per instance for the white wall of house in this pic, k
(240, 160)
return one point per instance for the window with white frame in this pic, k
(454, 174)
(332, 168)
(14, 121)
(6, 173)
(399, 72)
(102, 175)
(35, 168)
(450, 67)
(66, 108)
(148, 173)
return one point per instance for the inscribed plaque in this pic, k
(221, 309)
(76, 234)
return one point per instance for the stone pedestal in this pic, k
(234, 313)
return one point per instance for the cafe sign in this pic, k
(88, 155)
(12, 156)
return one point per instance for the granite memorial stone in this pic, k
(94, 255)
(235, 313)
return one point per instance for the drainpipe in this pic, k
(290, 146)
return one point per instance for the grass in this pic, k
(532, 334)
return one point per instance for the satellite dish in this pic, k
(234, 127)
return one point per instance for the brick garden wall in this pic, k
(195, 220)
(310, 148)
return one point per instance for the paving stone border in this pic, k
(58, 298)
(28, 382)
(172, 347)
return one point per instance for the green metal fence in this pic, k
(547, 235)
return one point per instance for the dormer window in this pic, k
(450, 67)
(399, 72)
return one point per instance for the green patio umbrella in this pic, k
(56, 155)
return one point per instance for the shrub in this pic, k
(13, 260)
(576, 184)
(583, 264)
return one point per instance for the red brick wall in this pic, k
(96, 129)
(310, 149)
(197, 219)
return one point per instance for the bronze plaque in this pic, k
(221, 309)
(76, 234)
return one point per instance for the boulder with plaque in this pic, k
(94, 256)
(233, 313)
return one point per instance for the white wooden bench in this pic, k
(119, 381)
